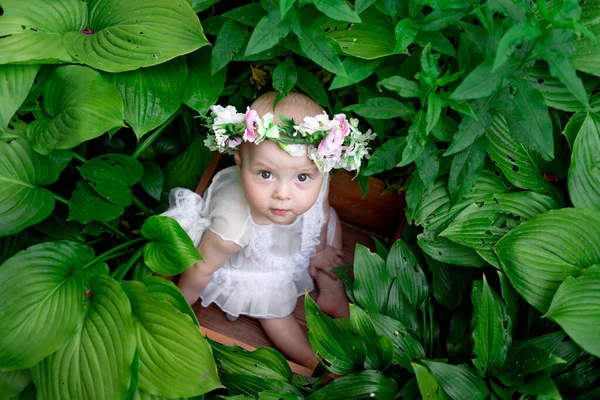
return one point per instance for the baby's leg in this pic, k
(332, 295)
(289, 338)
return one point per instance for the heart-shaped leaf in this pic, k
(371, 280)
(339, 351)
(15, 82)
(87, 205)
(458, 381)
(81, 104)
(202, 89)
(22, 173)
(170, 251)
(538, 255)
(151, 95)
(484, 222)
(111, 175)
(360, 385)
(32, 32)
(179, 351)
(491, 332)
(165, 290)
(41, 285)
(584, 172)
(576, 308)
(134, 34)
(79, 369)
(380, 349)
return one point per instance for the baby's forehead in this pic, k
(269, 153)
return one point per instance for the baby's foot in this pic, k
(333, 302)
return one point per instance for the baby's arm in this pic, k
(214, 251)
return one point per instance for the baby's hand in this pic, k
(324, 260)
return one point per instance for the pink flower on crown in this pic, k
(235, 142)
(251, 124)
(332, 144)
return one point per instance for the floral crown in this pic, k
(329, 143)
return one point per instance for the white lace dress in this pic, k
(265, 278)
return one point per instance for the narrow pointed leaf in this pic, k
(338, 10)
(371, 280)
(428, 386)
(465, 169)
(263, 362)
(584, 172)
(406, 348)
(268, 32)
(356, 69)
(230, 40)
(41, 285)
(538, 255)
(170, 251)
(446, 251)
(81, 104)
(179, 351)
(318, 49)
(78, 370)
(382, 108)
(360, 385)
(403, 265)
(458, 381)
(380, 349)
(202, 89)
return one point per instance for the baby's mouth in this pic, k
(279, 211)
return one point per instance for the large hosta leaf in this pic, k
(31, 31)
(584, 172)
(522, 167)
(444, 250)
(587, 54)
(171, 250)
(22, 173)
(178, 351)
(81, 104)
(42, 301)
(264, 362)
(87, 205)
(163, 289)
(15, 82)
(95, 364)
(485, 221)
(576, 308)
(13, 382)
(151, 95)
(137, 33)
(538, 255)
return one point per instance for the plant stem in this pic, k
(79, 157)
(120, 272)
(113, 251)
(153, 136)
(60, 198)
(141, 206)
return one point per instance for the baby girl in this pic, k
(264, 228)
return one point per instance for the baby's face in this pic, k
(278, 187)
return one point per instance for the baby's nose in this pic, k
(281, 192)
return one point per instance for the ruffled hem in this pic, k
(274, 303)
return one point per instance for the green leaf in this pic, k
(576, 232)
(522, 167)
(458, 381)
(268, 32)
(573, 127)
(427, 164)
(465, 169)
(373, 38)
(201, 5)
(481, 82)
(446, 251)
(15, 83)
(151, 95)
(32, 32)
(55, 226)
(310, 84)
(586, 53)
(434, 110)
(428, 386)
(284, 78)
(170, 251)
(202, 89)
(542, 386)
(22, 173)
(449, 285)
(484, 222)
(403, 265)
(179, 351)
(400, 308)
(111, 175)
(360, 385)
(526, 358)
(338, 10)
(230, 40)
(40, 284)
(81, 105)
(249, 14)
(584, 172)
(153, 180)
(575, 307)
(402, 86)
(406, 348)
(382, 108)
(139, 33)
(264, 362)
(318, 49)
(164, 290)
(380, 349)
(86, 205)
(12, 383)
(385, 157)
(339, 351)
(404, 34)
(187, 168)
(78, 370)
(371, 280)
(356, 69)
(510, 297)
(242, 386)
(472, 127)
(516, 35)
(492, 329)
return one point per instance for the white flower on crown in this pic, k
(295, 150)
(226, 115)
(324, 164)
(311, 125)
(266, 128)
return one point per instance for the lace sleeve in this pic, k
(186, 208)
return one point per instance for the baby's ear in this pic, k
(238, 161)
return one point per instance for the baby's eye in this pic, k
(303, 177)
(265, 174)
